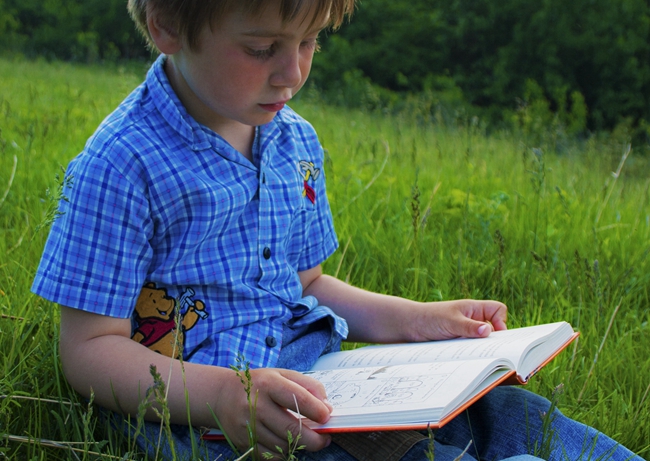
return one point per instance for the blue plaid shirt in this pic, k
(159, 204)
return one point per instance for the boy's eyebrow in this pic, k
(271, 33)
(265, 33)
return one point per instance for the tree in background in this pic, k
(591, 52)
(587, 60)
(82, 30)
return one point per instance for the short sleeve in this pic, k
(97, 254)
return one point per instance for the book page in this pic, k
(508, 344)
(402, 393)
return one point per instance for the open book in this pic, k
(412, 386)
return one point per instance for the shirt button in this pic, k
(266, 253)
(271, 341)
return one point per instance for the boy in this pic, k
(203, 187)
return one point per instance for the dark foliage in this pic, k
(593, 53)
(82, 30)
(598, 48)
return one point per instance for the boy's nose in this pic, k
(289, 72)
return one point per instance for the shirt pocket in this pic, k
(300, 236)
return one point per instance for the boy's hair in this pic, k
(188, 17)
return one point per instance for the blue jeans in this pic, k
(505, 424)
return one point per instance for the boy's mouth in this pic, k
(273, 107)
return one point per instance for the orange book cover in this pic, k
(421, 389)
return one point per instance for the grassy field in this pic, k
(558, 230)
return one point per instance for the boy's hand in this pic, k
(274, 389)
(380, 318)
(461, 318)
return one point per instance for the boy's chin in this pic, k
(264, 118)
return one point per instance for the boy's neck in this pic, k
(238, 135)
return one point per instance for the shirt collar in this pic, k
(172, 110)
(197, 136)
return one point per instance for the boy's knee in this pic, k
(513, 396)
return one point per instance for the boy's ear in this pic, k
(165, 38)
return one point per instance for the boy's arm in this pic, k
(379, 318)
(98, 356)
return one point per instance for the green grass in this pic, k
(422, 209)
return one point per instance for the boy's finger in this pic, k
(314, 386)
(302, 394)
(312, 440)
(269, 442)
(468, 328)
(497, 314)
(274, 431)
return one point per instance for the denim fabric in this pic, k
(506, 424)
(509, 421)
(301, 346)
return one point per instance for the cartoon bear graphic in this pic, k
(156, 319)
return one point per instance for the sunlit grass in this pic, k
(422, 209)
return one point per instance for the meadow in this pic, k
(427, 203)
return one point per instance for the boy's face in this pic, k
(245, 68)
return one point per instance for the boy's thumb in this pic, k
(474, 329)
(484, 329)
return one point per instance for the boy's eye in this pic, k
(263, 54)
(311, 44)
(269, 51)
